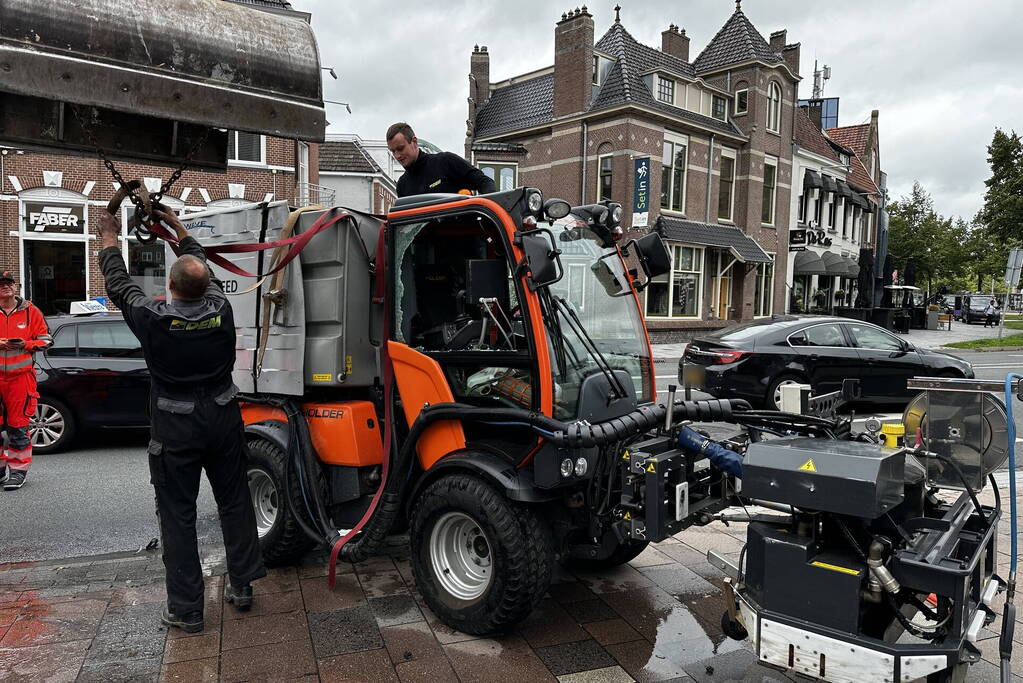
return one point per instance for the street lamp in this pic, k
(330, 69)
(343, 104)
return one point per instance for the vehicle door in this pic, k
(111, 366)
(887, 360)
(826, 356)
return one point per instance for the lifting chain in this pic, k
(135, 190)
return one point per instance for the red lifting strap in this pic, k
(298, 243)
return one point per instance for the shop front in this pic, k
(53, 239)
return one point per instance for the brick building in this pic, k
(699, 149)
(48, 205)
(361, 174)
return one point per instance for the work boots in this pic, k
(191, 622)
(15, 480)
(239, 597)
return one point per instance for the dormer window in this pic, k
(719, 107)
(665, 90)
(741, 101)
(596, 70)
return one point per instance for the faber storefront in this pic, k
(53, 244)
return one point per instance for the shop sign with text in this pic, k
(800, 239)
(641, 193)
(43, 217)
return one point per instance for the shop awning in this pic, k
(844, 189)
(829, 184)
(853, 268)
(742, 246)
(812, 180)
(834, 264)
(808, 263)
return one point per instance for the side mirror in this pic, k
(611, 275)
(652, 255)
(541, 262)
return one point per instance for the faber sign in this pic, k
(41, 217)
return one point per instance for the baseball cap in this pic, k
(7, 276)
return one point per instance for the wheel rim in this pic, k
(777, 390)
(461, 556)
(264, 500)
(47, 426)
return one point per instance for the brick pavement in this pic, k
(655, 619)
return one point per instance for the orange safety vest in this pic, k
(24, 322)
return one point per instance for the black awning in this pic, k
(729, 237)
(812, 180)
(844, 189)
(829, 184)
(852, 268)
(808, 263)
(834, 264)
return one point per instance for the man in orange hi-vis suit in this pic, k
(23, 331)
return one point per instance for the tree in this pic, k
(986, 252)
(1003, 202)
(916, 231)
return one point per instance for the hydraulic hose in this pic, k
(1009, 611)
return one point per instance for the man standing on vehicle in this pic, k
(189, 346)
(23, 331)
(428, 173)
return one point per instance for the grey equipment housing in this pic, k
(152, 77)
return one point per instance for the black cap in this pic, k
(7, 276)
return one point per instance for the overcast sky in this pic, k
(943, 73)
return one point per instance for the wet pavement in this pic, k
(655, 619)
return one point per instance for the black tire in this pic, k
(281, 538)
(53, 427)
(769, 401)
(515, 541)
(625, 552)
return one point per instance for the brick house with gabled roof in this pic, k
(713, 135)
(349, 169)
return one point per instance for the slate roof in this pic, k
(810, 137)
(273, 4)
(853, 137)
(511, 147)
(705, 234)
(517, 106)
(737, 41)
(345, 155)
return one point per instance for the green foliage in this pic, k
(989, 342)
(916, 231)
(1003, 201)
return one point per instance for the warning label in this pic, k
(808, 466)
(322, 377)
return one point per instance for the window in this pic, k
(719, 107)
(773, 107)
(770, 190)
(245, 147)
(596, 70)
(763, 296)
(741, 102)
(726, 185)
(107, 340)
(832, 206)
(65, 343)
(665, 90)
(505, 176)
(872, 338)
(605, 179)
(677, 294)
(867, 228)
(673, 173)
(801, 208)
(819, 335)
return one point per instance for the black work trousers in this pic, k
(187, 437)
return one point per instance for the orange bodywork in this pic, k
(343, 432)
(420, 381)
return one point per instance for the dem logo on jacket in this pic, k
(189, 325)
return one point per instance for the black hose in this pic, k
(962, 477)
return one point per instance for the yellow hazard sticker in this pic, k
(626, 456)
(348, 364)
(836, 568)
(808, 466)
(628, 515)
(322, 377)
(651, 468)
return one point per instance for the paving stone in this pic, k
(380, 579)
(395, 610)
(645, 664)
(615, 579)
(128, 633)
(611, 631)
(369, 666)
(277, 580)
(479, 660)
(651, 556)
(411, 641)
(123, 670)
(678, 580)
(185, 649)
(433, 670)
(264, 630)
(319, 597)
(441, 631)
(56, 663)
(551, 624)
(134, 595)
(586, 611)
(739, 666)
(193, 671)
(267, 603)
(571, 592)
(344, 631)
(39, 623)
(574, 657)
(611, 674)
(278, 662)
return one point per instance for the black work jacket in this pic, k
(443, 172)
(189, 345)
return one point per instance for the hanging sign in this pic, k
(641, 193)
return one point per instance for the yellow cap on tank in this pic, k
(893, 432)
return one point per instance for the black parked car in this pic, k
(93, 376)
(974, 311)
(754, 360)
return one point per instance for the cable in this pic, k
(962, 477)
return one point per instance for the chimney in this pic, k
(675, 42)
(573, 62)
(479, 70)
(778, 40)
(790, 53)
